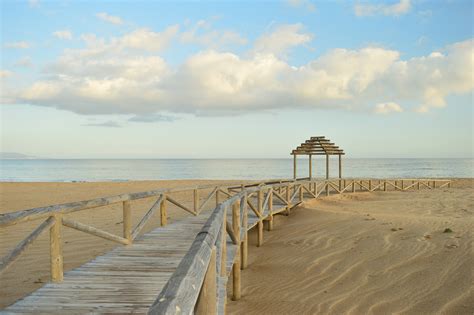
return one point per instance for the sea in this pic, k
(90, 170)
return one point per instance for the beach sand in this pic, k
(31, 270)
(366, 253)
(335, 255)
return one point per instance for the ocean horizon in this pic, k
(93, 170)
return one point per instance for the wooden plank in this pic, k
(181, 291)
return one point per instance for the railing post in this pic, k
(288, 207)
(236, 284)
(370, 185)
(396, 185)
(449, 184)
(236, 220)
(127, 220)
(260, 221)
(163, 214)
(353, 186)
(434, 184)
(270, 211)
(385, 185)
(223, 261)
(196, 201)
(301, 193)
(207, 300)
(245, 242)
(56, 249)
(403, 184)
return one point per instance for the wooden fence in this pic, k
(199, 283)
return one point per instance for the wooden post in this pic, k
(236, 285)
(434, 184)
(353, 186)
(245, 242)
(270, 211)
(207, 300)
(127, 220)
(396, 185)
(236, 220)
(223, 261)
(327, 174)
(260, 221)
(310, 167)
(288, 208)
(403, 184)
(294, 166)
(418, 184)
(196, 201)
(56, 250)
(449, 184)
(385, 185)
(301, 193)
(163, 214)
(370, 185)
(340, 171)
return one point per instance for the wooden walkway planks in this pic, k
(125, 280)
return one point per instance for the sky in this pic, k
(236, 79)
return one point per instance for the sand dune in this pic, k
(366, 253)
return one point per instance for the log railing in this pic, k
(230, 219)
(199, 283)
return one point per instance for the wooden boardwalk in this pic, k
(125, 280)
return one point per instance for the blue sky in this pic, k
(235, 79)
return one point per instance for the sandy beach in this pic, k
(354, 253)
(366, 253)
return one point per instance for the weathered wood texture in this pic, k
(125, 280)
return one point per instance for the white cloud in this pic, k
(127, 75)
(18, 45)
(282, 39)
(109, 124)
(387, 108)
(396, 9)
(110, 18)
(202, 34)
(304, 4)
(63, 34)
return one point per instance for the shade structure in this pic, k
(318, 145)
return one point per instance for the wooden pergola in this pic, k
(317, 146)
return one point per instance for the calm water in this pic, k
(119, 170)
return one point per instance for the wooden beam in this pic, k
(146, 217)
(56, 249)
(8, 259)
(94, 231)
(127, 220)
(176, 203)
(207, 300)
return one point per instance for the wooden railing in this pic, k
(194, 285)
(199, 283)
